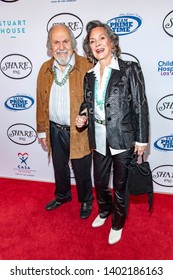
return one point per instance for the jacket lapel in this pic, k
(117, 74)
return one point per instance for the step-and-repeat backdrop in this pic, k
(145, 29)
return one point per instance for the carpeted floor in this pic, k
(29, 232)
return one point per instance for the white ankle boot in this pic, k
(114, 236)
(98, 221)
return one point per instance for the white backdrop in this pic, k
(145, 29)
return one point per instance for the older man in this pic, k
(59, 95)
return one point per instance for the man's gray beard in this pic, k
(63, 62)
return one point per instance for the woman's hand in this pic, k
(81, 121)
(140, 149)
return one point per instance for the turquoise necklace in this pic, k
(101, 102)
(64, 80)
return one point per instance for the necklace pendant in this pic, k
(101, 107)
(64, 80)
(100, 103)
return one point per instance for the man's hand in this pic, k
(43, 143)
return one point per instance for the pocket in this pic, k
(127, 127)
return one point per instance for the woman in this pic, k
(116, 112)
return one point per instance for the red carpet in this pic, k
(28, 232)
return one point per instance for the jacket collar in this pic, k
(114, 78)
(119, 72)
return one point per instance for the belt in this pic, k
(62, 127)
(103, 122)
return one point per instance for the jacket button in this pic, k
(109, 119)
(108, 105)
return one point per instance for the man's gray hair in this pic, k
(72, 37)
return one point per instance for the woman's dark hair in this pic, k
(112, 36)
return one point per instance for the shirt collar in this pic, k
(114, 65)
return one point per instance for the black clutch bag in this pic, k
(139, 180)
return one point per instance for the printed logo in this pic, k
(59, 1)
(16, 66)
(12, 27)
(165, 68)
(129, 57)
(168, 24)
(22, 134)
(125, 24)
(9, 1)
(23, 161)
(165, 107)
(163, 175)
(72, 21)
(164, 143)
(19, 102)
(23, 169)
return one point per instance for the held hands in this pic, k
(81, 121)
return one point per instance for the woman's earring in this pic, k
(113, 53)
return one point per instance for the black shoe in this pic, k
(55, 203)
(85, 210)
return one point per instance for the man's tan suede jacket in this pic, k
(79, 146)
